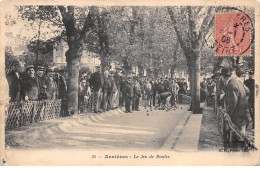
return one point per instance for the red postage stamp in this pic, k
(233, 34)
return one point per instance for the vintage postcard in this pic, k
(129, 83)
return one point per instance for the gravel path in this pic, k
(210, 139)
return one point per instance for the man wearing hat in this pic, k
(122, 97)
(106, 90)
(112, 91)
(136, 94)
(14, 79)
(128, 94)
(236, 104)
(250, 84)
(42, 82)
(61, 82)
(155, 89)
(82, 93)
(51, 90)
(117, 79)
(95, 82)
(31, 84)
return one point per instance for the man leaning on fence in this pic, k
(42, 82)
(236, 105)
(52, 90)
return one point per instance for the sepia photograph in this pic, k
(97, 83)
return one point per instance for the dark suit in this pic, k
(42, 91)
(31, 86)
(106, 90)
(15, 86)
(236, 103)
(137, 95)
(250, 83)
(128, 95)
(155, 89)
(95, 82)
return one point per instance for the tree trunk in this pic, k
(103, 63)
(190, 77)
(73, 85)
(38, 42)
(196, 85)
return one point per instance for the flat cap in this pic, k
(50, 69)
(30, 67)
(40, 68)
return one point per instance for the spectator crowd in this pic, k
(103, 92)
(114, 89)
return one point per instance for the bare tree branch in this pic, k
(89, 23)
(55, 23)
(170, 11)
(198, 10)
(204, 24)
(191, 24)
(63, 13)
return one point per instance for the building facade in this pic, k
(88, 59)
(16, 44)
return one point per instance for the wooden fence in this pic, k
(24, 113)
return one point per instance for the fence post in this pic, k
(45, 104)
(22, 114)
(34, 112)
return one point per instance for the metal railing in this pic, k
(228, 129)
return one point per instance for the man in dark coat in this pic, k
(42, 82)
(160, 86)
(236, 102)
(166, 85)
(106, 90)
(95, 82)
(118, 80)
(184, 86)
(137, 94)
(82, 93)
(61, 82)
(112, 94)
(162, 98)
(128, 95)
(160, 89)
(31, 84)
(250, 83)
(14, 79)
(155, 89)
(203, 90)
(122, 91)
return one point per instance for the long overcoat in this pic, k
(236, 103)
